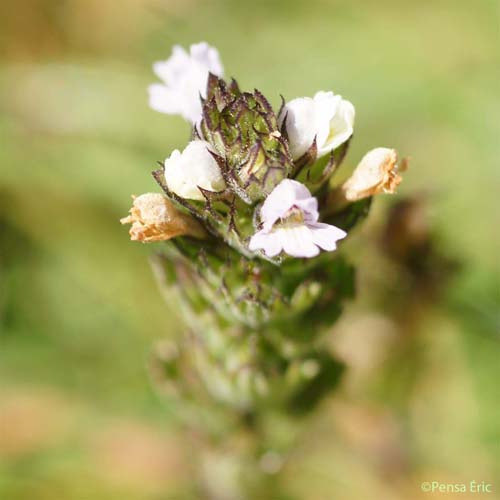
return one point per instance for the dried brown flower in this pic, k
(154, 218)
(377, 172)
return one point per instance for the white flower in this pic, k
(377, 172)
(194, 167)
(185, 77)
(326, 117)
(290, 224)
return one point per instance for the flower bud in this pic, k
(377, 172)
(154, 218)
(192, 169)
(243, 129)
(326, 118)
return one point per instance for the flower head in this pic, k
(376, 172)
(326, 117)
(290, 224)
(184, 79)
(154, 218)
(192, 169)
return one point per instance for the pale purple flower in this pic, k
(184, 77)
(290, 224)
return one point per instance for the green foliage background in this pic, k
(79, 307)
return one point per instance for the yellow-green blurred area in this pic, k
(79, 306)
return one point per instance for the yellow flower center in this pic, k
(294, 217)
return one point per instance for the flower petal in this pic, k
(326, 235)
(326, 107)
(162, 99)
(341, 127)
(269, 242)
(208, 56)
(300, 125)
(283, 197)
(170, 70)
(298, 241)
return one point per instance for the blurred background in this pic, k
(79, 307)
